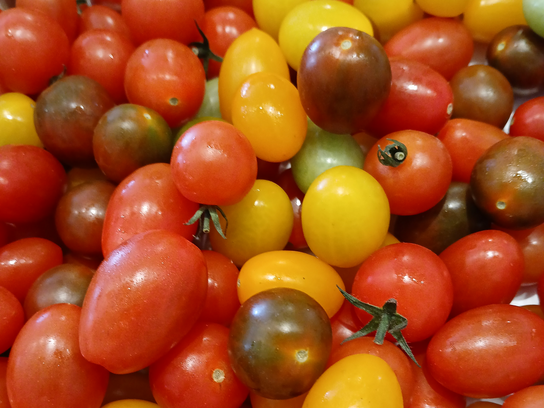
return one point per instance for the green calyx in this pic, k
(393, 155)
(385, 320)
(206, 213)
(202, 50)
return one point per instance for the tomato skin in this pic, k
(47, 348)
(4, 399)
(528, 119)
(149, 291)
(466, 140)
(443, 44)
(33, 181)
(12, 318)
(147, 199)
(422, 179)
(530, 397)
(17, 120)
(99, 17)
(513, 336)
(63, 12)
(197, 372)
(420, 99)
(489, 256)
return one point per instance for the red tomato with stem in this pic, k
(528, 119)
(12, 318)
(422, 174)
(63, 12)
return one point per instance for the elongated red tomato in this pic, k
(148, 293)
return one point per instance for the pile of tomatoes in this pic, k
(272, 203)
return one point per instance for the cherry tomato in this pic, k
(4, 399)
(17, 120)
(100, 17)
(533, 12)
(530, 397)
(270, 13)
(528, 119)
(439, 8)
(63, 12)
(12, 318)
(131, 403)
(245, 5)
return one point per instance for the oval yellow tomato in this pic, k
(17, 120)
(295, 270)
(304, 22)
(345, 216)
(253, 51)
(131, 403)
(268, 111)
(270, 13)
(262, 221)
(441, 8)
(359, 380)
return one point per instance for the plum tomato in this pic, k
(12, 318)
(149, 292)
(279, 342)
(507, 182)
(500, 347)
(528, 119)
(343, 80)
(419, 178)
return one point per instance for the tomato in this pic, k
(269, 14)
(267, 110)
(286, 181)
(4, 399)
(210, 104)
(530, 397)
(279, 342)
(79, 175)
(295, 270)
(128, 137)
(131, 387)
(533, 13)
(359, 377)
(261, 222)
(253, 51)
(12, 318)
(17, 120)
(507, 183)
(33, 181)
(213, 163)
(443, 9)
(102, 55)
(47, 348)
(147, 199)
(261, 402)
(34, 49)
(420, 99)
(466, 140)
(500, 347)
(66, 114)
(197, 372)
(343, 79)
(443, 44)
(149, 293)
(482, 93)
(484, 19)
(174, 73)
(100, 17)
(131, 403)
(528, 119)
(66, 283)
(421, 179)
(304, 22)
(169, 19)
(63, 12)
(345, 216)
(493, 257)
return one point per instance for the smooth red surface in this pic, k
(12, 318)
(99, 17)
(528, 119)
(530, 397)
(63, 12)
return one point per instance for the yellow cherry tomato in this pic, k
(305, 21)
(130, 403)
(262, 221)
(359, 380)
(485, 18)
(345, 216)
(270, 13)
(441, 8)
(268, 111)
(390, 239)
(295, 270)
(17, 120)
(390, 16)
(253, 51)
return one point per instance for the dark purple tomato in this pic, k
(518, 53)
(280, 341)
(343, 79)
(507, 182)
(482, 93)
(65, 116)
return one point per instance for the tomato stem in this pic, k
(385, 320)
(55, 78)
(393, 155)
(203, 51)
(204, 214)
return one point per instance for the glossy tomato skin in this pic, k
(100, 17)
(147, 199)
(149, 291)
(528, 119)
(34, 49)
(197, 372)
(510, 357)
(47, 349)
(11, 318)
(17, 120)
(279, 342)
(63, 12)
(466, 140)
(66, 114)
(530, 397)
(421, 180)
(33, 181)
(443, 44)
(507, 183)
(343, 79)
(420, 99)
(489, 256)
(408, 273)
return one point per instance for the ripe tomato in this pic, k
(345, 216)
(528, 119)
(270, 13)
(63, 12)
(131, 403)
(100, 17)
(530, 397)
(12, 318)
(17, 120)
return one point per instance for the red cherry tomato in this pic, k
(528, 119)
(12, 318)
(63, 12)
(530, 397)
(99, 17)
